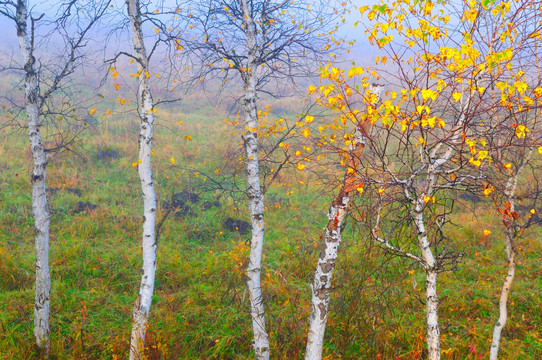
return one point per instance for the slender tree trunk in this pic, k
(503, 311)
(431, 297)
(254, 193)
(146, 109)
(40, 207)
(321, 286)
(256, 206)
(433, 331)
(510, 192)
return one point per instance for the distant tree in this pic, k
(44, 75)
(262, 43)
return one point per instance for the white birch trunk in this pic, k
(433, 331)
(256, 206)
(40, 207)
(145, 108)
(431, 297)
(510, 192)
(254, 193)
(503, 311)
(321, 286)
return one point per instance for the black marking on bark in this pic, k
(323, 311)
(327, 266)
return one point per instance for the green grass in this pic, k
(200, 308)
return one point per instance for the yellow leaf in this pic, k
(172, 160)
(363, 9)
(300, 166)
(428, 93)
(355, 71)
(521, 131)
(486, 233)
(476, 163)
(488, 190)
(92, 112)
(457, 96)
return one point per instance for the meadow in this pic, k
(201, 307)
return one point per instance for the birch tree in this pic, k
(426, 138)
(513, 228)
(43, 76)
(513, 143)
(145, 111)
(337, 213)
(262, 43)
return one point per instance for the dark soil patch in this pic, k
(186, 195)
(82, 206)
(54, 191)
(525, 214)
(470, 197)
(107, 154)
(210, 204)
(241, 226)
(178, 207)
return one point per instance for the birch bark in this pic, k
(321, 286)
(503, 301)
(40, 206)
(431, 297)
(510, 193)
(146, 109)
(254, 193)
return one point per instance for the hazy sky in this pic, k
(362, 50)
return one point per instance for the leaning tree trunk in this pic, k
(510, 192)
(503, 312)
(431, 297)
(40, 207)
(254, 192)
(145, 108)
(321, 286)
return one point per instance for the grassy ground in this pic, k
(200, 310)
